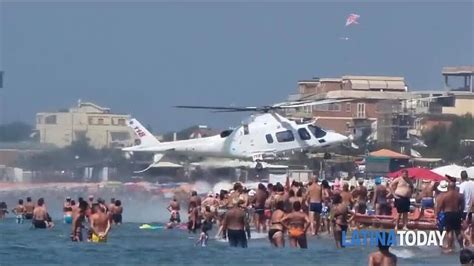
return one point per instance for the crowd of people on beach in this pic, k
(297, 210)
(288, 212)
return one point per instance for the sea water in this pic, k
(127, 244)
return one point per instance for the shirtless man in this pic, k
(360, 195)
(452, 204)
(234, 225)
(380, 198)
(402, 189)
(19, 211)
(383, 257)
(29, 206)
(194, 198)
(40, 215)
(297, 223)
(346, 196)
(100, 224)
(174, 209)
(79, 218)
(67, 209)
(314, 199)
(426, 195)
(259, 204)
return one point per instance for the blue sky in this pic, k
(144, 58)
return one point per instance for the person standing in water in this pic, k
(234, 225)
(174, 208)
(117, 213)
(78, 222)
(29, 206)
(100, 224)
(339, 214)
(276, 232)
(297, 223)
(19, 211)
(41, 218)
(452, 204)
(314, 199)
(67, 209)
(382, 257)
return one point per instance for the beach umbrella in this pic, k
(451, 170)
(418, 173)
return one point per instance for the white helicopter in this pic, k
(264, 136)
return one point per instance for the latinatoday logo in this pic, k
(372, 238)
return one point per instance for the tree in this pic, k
(445, 142)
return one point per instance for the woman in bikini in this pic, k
(275, 234)
(339, 214)
(297, 223)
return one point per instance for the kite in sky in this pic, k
(352, 19)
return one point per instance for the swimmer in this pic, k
(19, 211)
(29, 208)
(117, 213)
(297, 223)
(78, 222)
(276, 232)
(100, 225)
(234, 225)
(383, 257)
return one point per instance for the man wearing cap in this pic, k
(402, 189)
(451, 203)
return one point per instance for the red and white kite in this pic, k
(352, 19)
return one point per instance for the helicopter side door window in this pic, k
(304, 134)
(269, 138)
(316, 131)
(285, 136)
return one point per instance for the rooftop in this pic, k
(458, 70)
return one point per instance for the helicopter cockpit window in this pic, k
(269, 138)
(285, 136)
(316, 131)
(304, 134)
(226, 133)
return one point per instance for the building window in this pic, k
(119, 136)
(304, 134)
(90, 120)
(322, 107)
(269, 138)
(39, 119)
(335, 107)
(360, 110)
(100, 121)
(285, 136)
(317, 132)
(50, 120)
(121, 122)
(348, 107)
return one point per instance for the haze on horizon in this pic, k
(144, 58)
